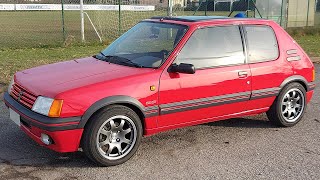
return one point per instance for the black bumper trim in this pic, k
(41, 121)
(311, 86)
(25, 122)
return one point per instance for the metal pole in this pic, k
(200, 3)
(268, 10)
(308, 13)
(281, 14)
(254, 12)
(62, 19)
(255, 7)
(119, 17)
(95, 29)
(82, 20)
(170, 7)
(206, 9)
(248, 8)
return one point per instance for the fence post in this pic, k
(62, 20)
(206, 8)
(281, 13)
(82, 21)
(248, 8)
(307, 24)
(119, 16)
(170, 8)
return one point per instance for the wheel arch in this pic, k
(295, 78)
(128, 101)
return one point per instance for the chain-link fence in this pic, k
(47, 23)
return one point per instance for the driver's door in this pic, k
(219, 87)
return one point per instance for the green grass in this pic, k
(23, 29)
(13, 60)
(44, 28)
(310, 43)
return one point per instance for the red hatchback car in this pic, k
(164, 73)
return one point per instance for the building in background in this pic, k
(288, 13)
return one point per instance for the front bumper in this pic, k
(64, 132)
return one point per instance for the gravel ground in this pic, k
(244, 148)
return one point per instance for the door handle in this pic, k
(243, 74)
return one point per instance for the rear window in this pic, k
(262, 44)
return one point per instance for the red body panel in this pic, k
(272, 73)
(208, 83)
(82, 82)
(64, 141)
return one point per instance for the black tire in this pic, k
(275, 113)
(91, 133)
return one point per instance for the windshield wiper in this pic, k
(101, 54)
(118, 59)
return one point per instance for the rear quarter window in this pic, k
(262, 43)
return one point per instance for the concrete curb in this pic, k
(315, 60)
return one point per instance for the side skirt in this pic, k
(207, 120)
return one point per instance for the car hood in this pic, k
(50, 80)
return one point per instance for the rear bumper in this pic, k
(64, 132)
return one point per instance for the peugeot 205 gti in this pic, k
(164, 73)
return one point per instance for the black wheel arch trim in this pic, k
(298, 78)
(119, 99)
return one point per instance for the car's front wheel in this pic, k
(289, 107)
(112, 135)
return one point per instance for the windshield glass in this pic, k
(147, 44)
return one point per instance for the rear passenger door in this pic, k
(220, 85)
(268, 68)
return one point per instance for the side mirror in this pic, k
(182, 68)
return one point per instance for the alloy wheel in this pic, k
(293, 104)
(116, 137)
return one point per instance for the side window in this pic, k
(262, 43)
(212, 47)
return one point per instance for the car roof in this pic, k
(189, 20)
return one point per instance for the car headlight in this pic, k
(48, 106)
(10, 85)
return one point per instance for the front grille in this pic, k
(23, 96)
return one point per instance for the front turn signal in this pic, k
(55, 108)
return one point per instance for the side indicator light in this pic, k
(55, 109)
(152, 88)
(313, 75)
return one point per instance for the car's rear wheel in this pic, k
(112, 135)
(289, 107)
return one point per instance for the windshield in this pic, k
(147, 44)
